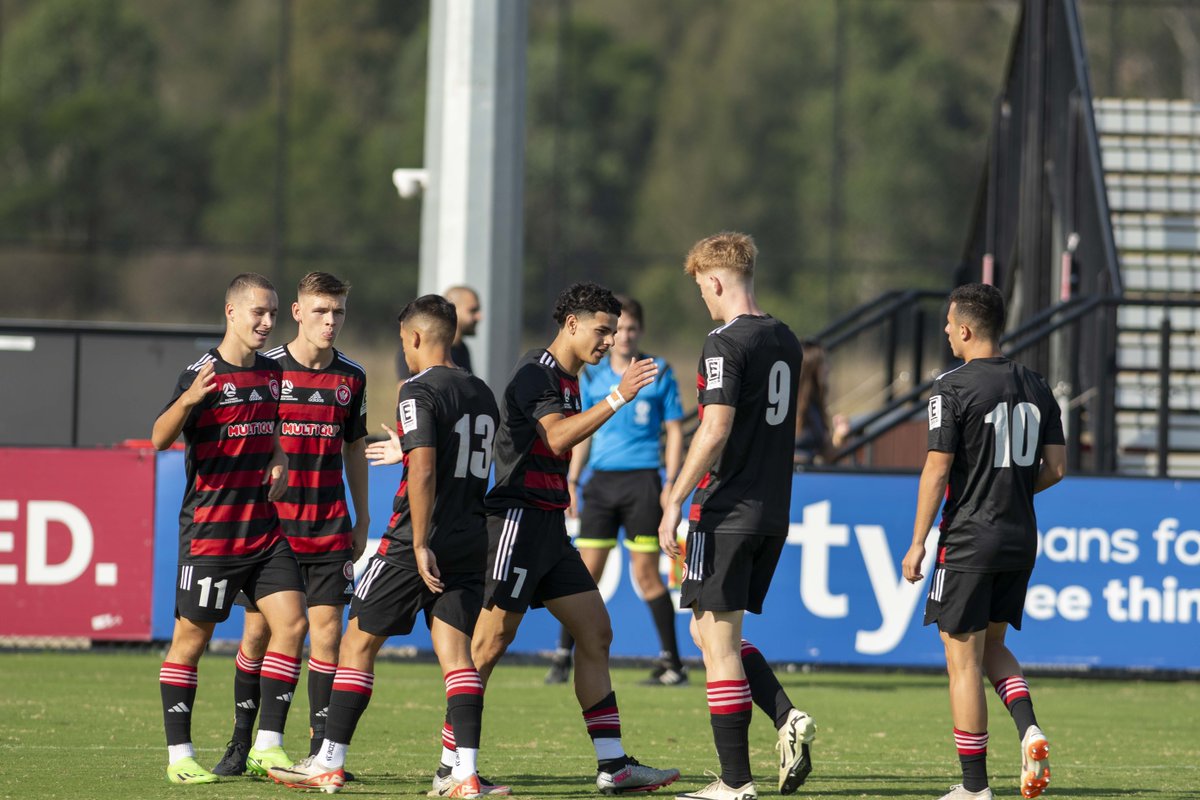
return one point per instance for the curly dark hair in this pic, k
(982, 306)
(585, 298)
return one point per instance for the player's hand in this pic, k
(668, 540)
(427, 566)
(912, 563)
(638, 375)
(358, 537)
(277, 476)
(385, 452)
(204, 383)
(573, 507)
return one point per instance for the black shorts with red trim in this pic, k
(205, 591)
(326, 583)
(728, 571)
(389, 598)
(965, 602)
(531, 560)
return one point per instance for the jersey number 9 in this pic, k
(778, 396)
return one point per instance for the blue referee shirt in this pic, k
(629, 440)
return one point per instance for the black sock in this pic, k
(320, 686)
(662, 611)
(764, 686)
(278, 680)
(351, 694)
(731, 735)
(464, 706)
(247, 694)
(972, 755)
(1014, 692)
(565, 643)
(177, 685)
(603, 721)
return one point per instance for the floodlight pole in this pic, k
(471, 218)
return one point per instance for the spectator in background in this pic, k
(467, 306)
(817, 435)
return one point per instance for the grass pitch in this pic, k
(89, 725)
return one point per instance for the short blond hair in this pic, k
(324, 284)
(727, 250)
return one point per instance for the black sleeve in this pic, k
(186, 378)
(1052, 424)
(536, 392)
(721, 364)
(945, 425)
(416, 417)
(356, 425)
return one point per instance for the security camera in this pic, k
(410, 182)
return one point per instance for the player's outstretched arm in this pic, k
(561, 433)
(355, 459)
(421, 474)
(170, 423)
(389, 451)
(707, 443)
(1054, 467)
(930, 493)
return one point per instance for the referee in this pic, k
(626, 489)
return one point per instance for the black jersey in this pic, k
(753, 364)
(995, 416)
(230, 438)
(320, 410)
(528, 473)
(454, 412)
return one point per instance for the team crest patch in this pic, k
(714, 372)
(342, 395)
(935, 412)
(273, 385)
(348, 570)
(408, 416)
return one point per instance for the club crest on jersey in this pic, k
(273, 385)
(714, 372)
(408, 416)
(935, 412)
(348, 572)
(287, 391)
(230, 391)
(342, 394)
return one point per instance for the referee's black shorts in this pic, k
(965, 602)
(614, 500)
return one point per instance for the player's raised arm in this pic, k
(170, 422)
(560, 433)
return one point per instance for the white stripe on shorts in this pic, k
(508, 540)
(185, 577)
(368, 578)
(695, 566)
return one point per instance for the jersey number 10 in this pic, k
(1018, 441)
(479, 460)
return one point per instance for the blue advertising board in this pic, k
(1117, 583)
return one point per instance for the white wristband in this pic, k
(616, 402)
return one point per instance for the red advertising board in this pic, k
(76, 542)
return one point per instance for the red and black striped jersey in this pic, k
(320, 410)
(454, 413)
(528, 474)
(230, 438)
(753, 364)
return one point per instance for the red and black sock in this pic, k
(351, 694)
(972, 755)
(603, 721)
(1014, 692)
(278, 679)
(662, 611)
(320, 686)
(247, 693)
(449, 748)
(464, 706)
(768, 694)
(177, 684)
(729, 708)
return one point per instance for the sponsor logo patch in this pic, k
(287, 390)
(714, 372)
(408, 416)
(255, 396)
(315, 397)
(935, 412)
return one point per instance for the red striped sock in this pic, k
(730, 707)
(972, 756)
(277, 680)
(464, 704)
(351, 693)
(603, 721)
(247, 694)
(1014, 692)
(177, 686)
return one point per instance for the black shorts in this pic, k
(204, 592)
(965, 602)
(728, 571)
(389, 597)
(326, 583)
(615, 500)
(531, 560)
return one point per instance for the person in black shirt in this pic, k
(466, 305)
(432, 554)
(996, 438)
(531, 561)
(740, 465)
